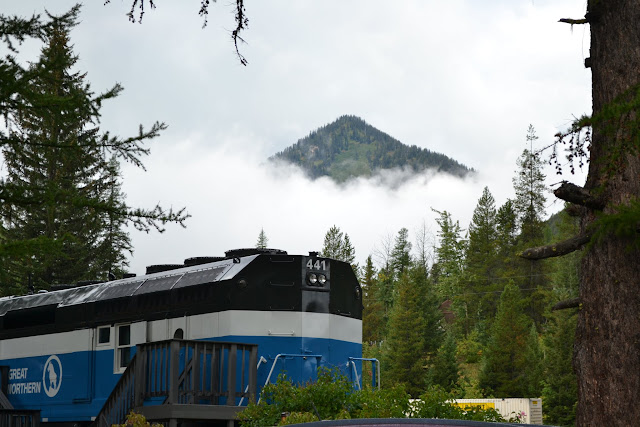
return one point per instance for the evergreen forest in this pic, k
(467, 314)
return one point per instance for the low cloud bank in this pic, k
(232, 195)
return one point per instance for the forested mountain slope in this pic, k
(350, 147)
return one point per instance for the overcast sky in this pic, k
(464, 78)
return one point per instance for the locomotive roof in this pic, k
(163, 281)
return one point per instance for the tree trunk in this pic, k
(607, 350)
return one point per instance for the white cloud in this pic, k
(233, 194)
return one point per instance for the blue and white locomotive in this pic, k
(65, 350)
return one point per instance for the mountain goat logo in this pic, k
(52, 376)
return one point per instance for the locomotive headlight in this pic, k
(313, 278)
(322, 279)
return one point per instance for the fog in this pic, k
(232, 194)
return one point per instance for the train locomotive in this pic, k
(66, 349)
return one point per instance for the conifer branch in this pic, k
(17, 29)
(574, 21)
(146, 220)
(129, 149)
(20, 29)
(569, 303)
(578, 195)
(558, 249)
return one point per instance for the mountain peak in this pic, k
(349, 147)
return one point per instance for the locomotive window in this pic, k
(123, 351)
(104, 335)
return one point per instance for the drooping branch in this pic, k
(577, 138)
(578, 195)
(569, 303)
(558, 249)
(241, 23)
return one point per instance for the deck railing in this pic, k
(179, 372)
(19, 418)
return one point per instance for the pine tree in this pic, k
(429, 307)
(449, 265)
(482, 236)
(333, 243)
(348, 251)
(77, 243)
(387, 292)
(504, 370)
(405, 363)
(529, 207)
(506, 232)
(263, 241)
(373, 318)
(337, 245)
(349, 254)
(400, 256)
(61, 206)
(445, 370)
(480, 267)
(532, 369)
(530, 190)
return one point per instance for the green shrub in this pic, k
(332, 397)
(297, 418)
(436, 403)
(137, 420)
(386, 403)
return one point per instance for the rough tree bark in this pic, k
(607, 350)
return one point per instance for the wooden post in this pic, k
(231, 374)
(139, 376)
(197, 348)
(174, 361)
(253, 373)
(217, 359)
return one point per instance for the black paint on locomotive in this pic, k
(273, 281)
